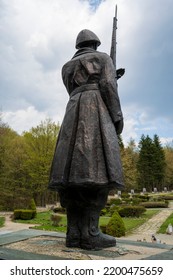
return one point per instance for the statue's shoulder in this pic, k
(104, 57)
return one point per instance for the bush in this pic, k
(17, 214)
(115, 201)
(143, 197)
(115, 226)
(59, 210)
(155, 204)
(131, 211)
(2, 221)
(113, 208)
(27, 214)
(32, 205)
(167, 197)
(104, 212)
(55, 219)
(125, 195)
(24, 214)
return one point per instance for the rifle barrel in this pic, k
(113, 45)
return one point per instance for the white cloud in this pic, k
(38, 36)
(23, 120)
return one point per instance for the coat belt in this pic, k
(84, 88)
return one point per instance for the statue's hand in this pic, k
(119, 126)
(120, 72)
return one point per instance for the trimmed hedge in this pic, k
(59, 210)
(32, 204)
(167, 197)
(115, 201)
(155, 204)
(55, 219)
(24, 214)
(131, 211)
(115, 226)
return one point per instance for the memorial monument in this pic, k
(87, 163)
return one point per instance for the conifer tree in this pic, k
(145, 163)
(151, 163)
(159, 163)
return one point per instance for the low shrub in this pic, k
(17, 214)
(2, 221)
(24, 214)
(115, 226)
(155, 204)
(59, 210)
(131, 211)
(135, 201)
(32, 204)
(125, 195)
(167, 197)
(103, 212)
(142, 197)
(113, 208)
(115, 201)
(27, 214)
(55, 219)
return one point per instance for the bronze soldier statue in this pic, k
(86, 163)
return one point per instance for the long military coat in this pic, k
(87, 151)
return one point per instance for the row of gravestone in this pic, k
(143, 191)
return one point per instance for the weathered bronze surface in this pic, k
(87, 163)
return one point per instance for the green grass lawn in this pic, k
(44, 222)
(2, 221)
(133, 223)
(164, 226)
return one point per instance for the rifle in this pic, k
(120, 72)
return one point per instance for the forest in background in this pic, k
(25, 162)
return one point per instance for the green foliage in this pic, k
(24, 214)
(25, 164)
(169, 166)
(115, 201)
(151, 163)
(2, 221)
(131, 211)
(125, 195)
(32, 204)
(129, 157)
(142, 197)
(55, 219)
(59, 210)
(155, 204)
(164, 226)
(113, 208)
(104, 212)
(167, 197)
(40, 145)
(132, 223)
(115, 226)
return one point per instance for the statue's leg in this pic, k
(69, 200)
(91, 237)
(73, 227)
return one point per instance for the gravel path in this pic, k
(144, 232)
(11, 226)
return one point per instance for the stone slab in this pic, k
(25, 245)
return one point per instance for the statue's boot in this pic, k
(91, 237)
(73, 227)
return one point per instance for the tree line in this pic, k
(25, 162)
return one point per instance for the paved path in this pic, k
(11, 226)
(145, 231)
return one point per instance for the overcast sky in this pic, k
(38, 36)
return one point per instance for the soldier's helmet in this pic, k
(86, 36)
